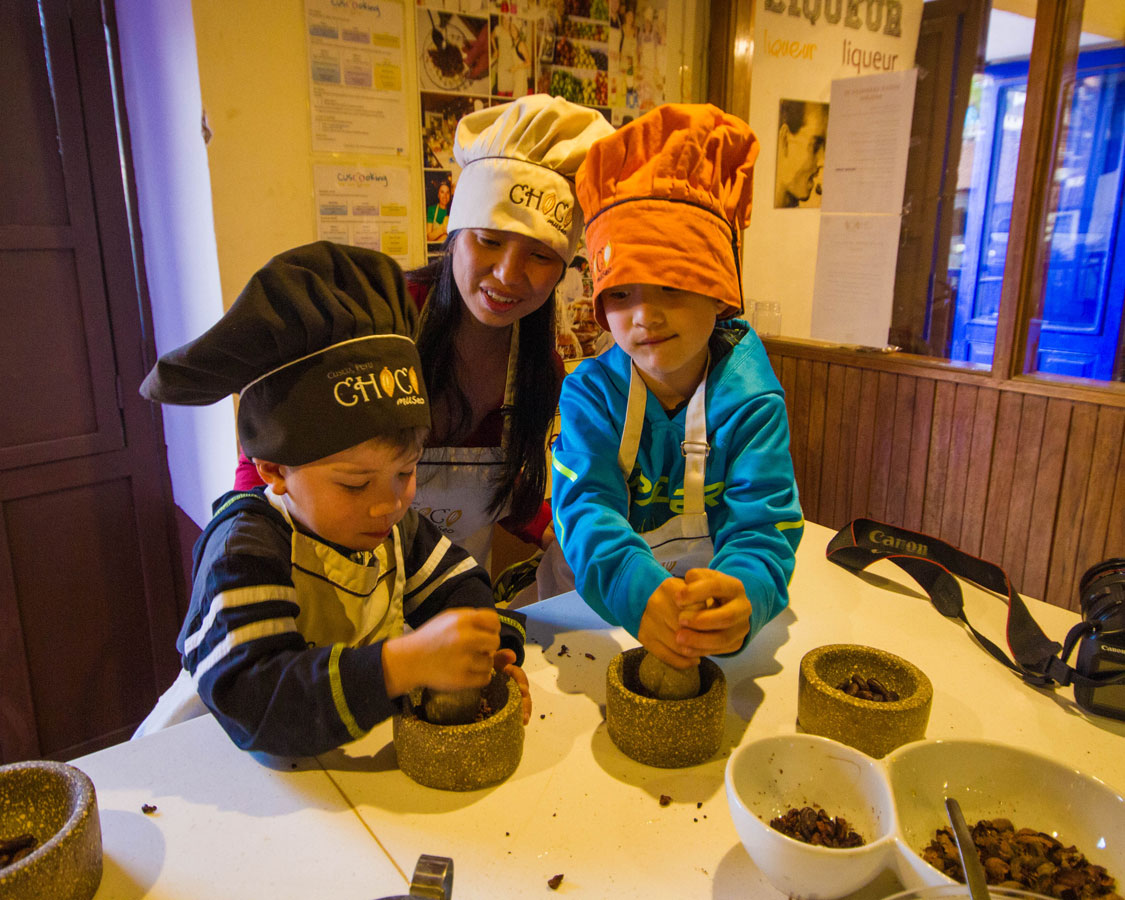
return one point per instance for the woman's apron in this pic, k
(354, 600)
(455, 484)
(684, 541)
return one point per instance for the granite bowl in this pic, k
(875, 727)
(767, 777)
(670, 734)
(54, 803)
(462, 757)
(993, 780)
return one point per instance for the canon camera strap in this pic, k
(933, 564)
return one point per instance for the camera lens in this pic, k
(1102, 595)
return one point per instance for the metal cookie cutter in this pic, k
(433, 879)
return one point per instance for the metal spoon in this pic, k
(970, 859)
(435, 33)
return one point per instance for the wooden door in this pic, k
(90, 597)
(950, 44)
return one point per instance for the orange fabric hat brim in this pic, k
(664, 242)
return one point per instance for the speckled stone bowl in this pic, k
(55, 803)
(670, 734)
(872, 726)
(463, 757)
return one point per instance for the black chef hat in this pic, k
(319, 346)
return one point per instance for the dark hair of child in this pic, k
(523, 478)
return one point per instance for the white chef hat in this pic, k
(518, 161)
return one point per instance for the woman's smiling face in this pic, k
(503, 276)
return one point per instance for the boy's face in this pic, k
(664, 330)
(352, 498)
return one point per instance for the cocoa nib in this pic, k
(815, 826)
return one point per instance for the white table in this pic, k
(227, 824)
(575, 805)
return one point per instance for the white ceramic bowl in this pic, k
(960, 892)
(898, 803)
(767, 777)
(990, 780)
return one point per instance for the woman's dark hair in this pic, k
(522, 481)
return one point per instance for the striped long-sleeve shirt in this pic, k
(292, 679)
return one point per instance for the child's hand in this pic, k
(661, 623)
(453, 650)
(714, 615)
(505, 661)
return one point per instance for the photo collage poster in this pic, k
(607, 54)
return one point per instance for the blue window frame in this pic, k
(1080, 325)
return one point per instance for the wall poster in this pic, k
(357, 100)
(364, 206)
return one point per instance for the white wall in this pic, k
(162, 98)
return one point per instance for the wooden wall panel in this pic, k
(1115, 531)
(977, 471)
(1062, 582)
(895, 511)
(1002, 464)
(849, 431)
(1031, 482)
(1033, 418)
(957, 467)
(1044, 507)
(830, 462)
(865, 428)
(1098, 509)
(814, 450)
(937, 472)
(919, 453)
(881, 446)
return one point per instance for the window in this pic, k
(1060, 314)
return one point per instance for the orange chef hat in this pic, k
(666, 199)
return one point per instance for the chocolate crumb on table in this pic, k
(554, 881)
(590, 656)
(564, 650)
(148, 808)
(665, 799)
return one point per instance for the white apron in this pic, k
(681, 543)
(341, 601)
(455, 484)
(684, 541)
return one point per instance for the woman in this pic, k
(438, 213)
(487, 333)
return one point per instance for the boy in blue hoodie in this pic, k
(674, 498)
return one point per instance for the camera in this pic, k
(1101, 647)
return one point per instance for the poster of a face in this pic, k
(801, 129)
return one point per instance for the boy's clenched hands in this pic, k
(704, 613)
(458, 648)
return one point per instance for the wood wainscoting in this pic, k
(1032, 479)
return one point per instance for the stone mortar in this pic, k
(462, 757)
(670, 734)
(871, 726)
(56, 803)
